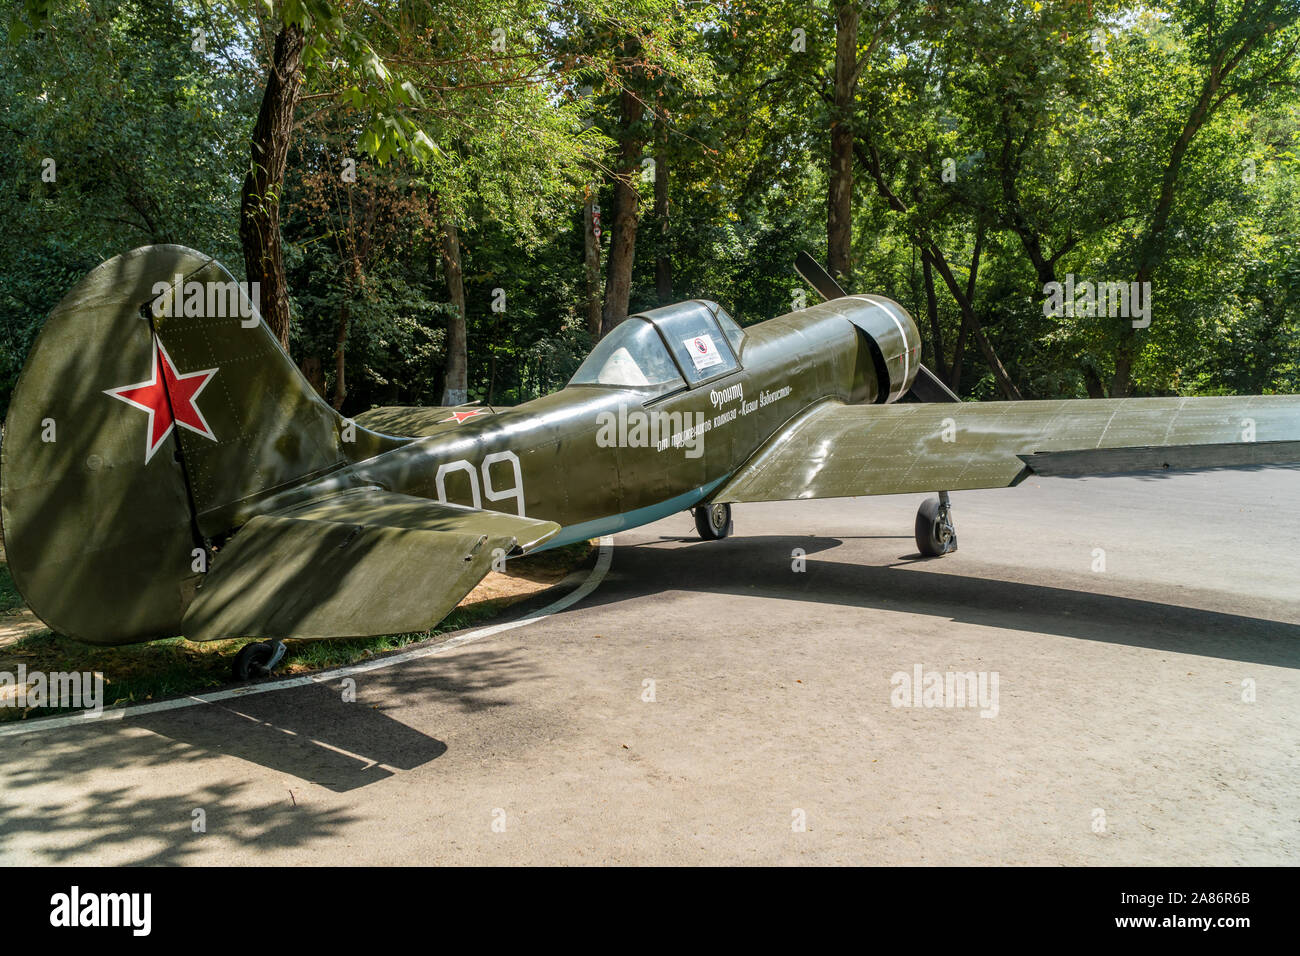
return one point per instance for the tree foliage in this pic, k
(998, 146)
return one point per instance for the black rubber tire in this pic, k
(251, 660)
(713, 522)
(929, 538)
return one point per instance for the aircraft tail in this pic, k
(154, 414)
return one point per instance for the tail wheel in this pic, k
(935, 534)
(713, 521)
(257, 660)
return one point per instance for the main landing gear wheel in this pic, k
(935, 534)
(713, 522)
(257, 660)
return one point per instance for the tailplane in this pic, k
(154, 414)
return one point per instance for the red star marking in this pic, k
(152, 397)
(459, 417)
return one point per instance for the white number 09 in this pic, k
(493, 494)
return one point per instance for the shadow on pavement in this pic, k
(761, 566)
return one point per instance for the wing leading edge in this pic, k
(834, 450)
(357, 564)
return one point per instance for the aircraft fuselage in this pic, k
(597, 459)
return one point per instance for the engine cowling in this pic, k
(892, 340)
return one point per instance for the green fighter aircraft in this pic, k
(166, 469)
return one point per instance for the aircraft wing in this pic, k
(834, 450)
(356, 564)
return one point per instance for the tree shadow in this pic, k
(113, 820)
(310, 732)
(315, 734)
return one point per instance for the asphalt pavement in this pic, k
(1109, 673)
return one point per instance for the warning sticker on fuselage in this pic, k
(703, 352)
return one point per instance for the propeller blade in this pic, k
(810, 271)
(928, 387)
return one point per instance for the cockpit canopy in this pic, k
(664, 349)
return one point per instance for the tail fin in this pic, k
(258, 426)
(155, 411)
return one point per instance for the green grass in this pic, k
(136, 673)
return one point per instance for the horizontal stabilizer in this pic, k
(410, 421)
(362, 563)
(374, 506)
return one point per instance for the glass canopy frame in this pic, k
(685, 335)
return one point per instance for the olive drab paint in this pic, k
(198, 485)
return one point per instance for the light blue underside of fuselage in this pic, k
(629, 519)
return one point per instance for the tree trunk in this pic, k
(591, 246)
(1000, 374)
(932, 310)
(958, 354)
(965, 318)
(870, 158)
(314, 371)
(839, 201)
(345, 315)
(663, 262)
(340, 343)
(456, 389)
(622, 246)
(1092, 381)
(1241, 36)
(259, 206)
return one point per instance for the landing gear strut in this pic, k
(257, 660)
(713, 521)
(935, 534)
